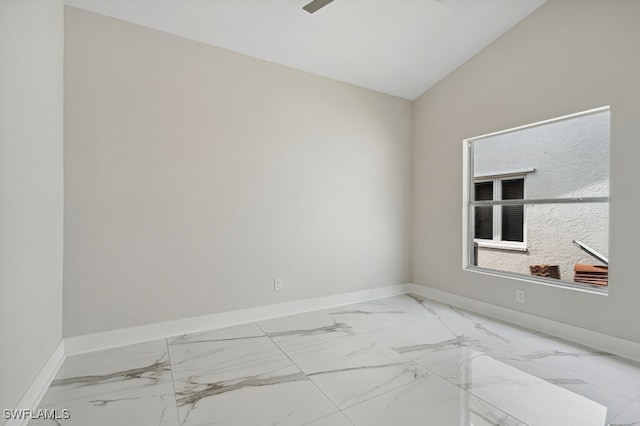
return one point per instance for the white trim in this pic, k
(508, 173)
(38, 387)
(541, 123)
(615, 345)
(467, 170)
(549, 282)
(491, 245)
(127, 336)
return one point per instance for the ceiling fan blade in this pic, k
(316, 4)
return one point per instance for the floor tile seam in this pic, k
(329, 309)
(197, 342)
(382, 300)
(407, 361)
(495, 407)
(413, 319)
(292, 363)
(578, 378)
(432, 373)
(435, 371)
(479, 398)
(511, 352)
(173, 382)
(631, 400)
(389, 390)
(364, 367)
(302, 371)
(618, 414)
(377, 330)
(355, 334)
(414, 383)
(328, 415)
(417, 316)
(505, 323)
(348, 418)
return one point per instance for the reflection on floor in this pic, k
(402, 360)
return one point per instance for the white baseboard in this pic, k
(33, 395)
(144, 333)
(615, 345)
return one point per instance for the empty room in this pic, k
(324, 213)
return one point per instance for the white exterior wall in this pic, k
(571, 159)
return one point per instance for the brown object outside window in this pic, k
(547, 271)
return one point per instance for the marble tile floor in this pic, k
(403, 360)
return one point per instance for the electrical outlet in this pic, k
(278, 284)
(520, 296)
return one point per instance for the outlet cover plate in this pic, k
(278, 284)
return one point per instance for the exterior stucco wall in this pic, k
(571, 159)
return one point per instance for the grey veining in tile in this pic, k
(401, 360)
(216, 374)
(433, 347)
(349, 386)
(243, 331)
(458, 322)
(117, 386)
(339, 321)
(315, 354)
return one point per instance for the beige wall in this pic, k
(568, 56)
(194, 176)
(31, 193)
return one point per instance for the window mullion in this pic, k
(497, 211)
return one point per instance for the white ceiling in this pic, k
(398, 47)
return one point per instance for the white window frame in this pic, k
(496, 242)
(468, 181)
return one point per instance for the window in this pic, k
(536, 201)
(499, 225)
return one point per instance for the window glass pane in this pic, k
(484, 191)
(513, 223)
(512, 216)
(484, 222)
(551, 229)
(484, 214)
(512, 189)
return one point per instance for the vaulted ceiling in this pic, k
(398, 47)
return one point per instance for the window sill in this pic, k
(503, 247)
(550, 282)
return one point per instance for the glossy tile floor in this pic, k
(402, 360)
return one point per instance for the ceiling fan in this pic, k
(315, 5)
